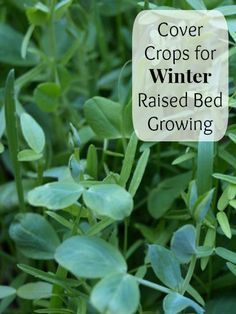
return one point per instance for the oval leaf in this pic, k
(34, 236)
(183, 243)
(56, 195)
(109, 200)
(90, 257)
(32, 132)
(202, 205)
(116, 294)
(224, 224)
(35, 291)
(104, 116)
(46, 96)
(165, 266)
(28, 155)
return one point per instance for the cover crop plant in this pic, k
(92, 219)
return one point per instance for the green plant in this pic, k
(93, 220)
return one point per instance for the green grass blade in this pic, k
(139, 172)
(11, 130)
(128, 160)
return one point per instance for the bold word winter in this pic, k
(168, 76)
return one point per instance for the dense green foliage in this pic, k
(93, 220)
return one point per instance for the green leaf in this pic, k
(104, 117)
(208, 242)
(192, 195)
(6, 291)
(109, 200)
(116, 294)
(183, 243)
(37, 15)
(92, 161)
(2, 121)
(233, 203)
(32, 132)
(224, 224)
(35, 291)
(76, 168)
(202, 205)
(90, 257)
(34, 236)
(47, 276)
(183, 158)
(139, 172)
(10, 48)
(1, 148)
(165, 266)
(26, 40)
(55, 310)
(128, 160)
(223, 200)
(225, 177)
(46, 96)
(56, 195)
(61, 220)
(99, 226)
(28, 155)
(232, 268)
(193, 293)
(227, 10)
(204, 251)
(197, 5)
(226, 254)
(61, 8)
(161, 198)
(175, 303)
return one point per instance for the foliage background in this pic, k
(80, 51)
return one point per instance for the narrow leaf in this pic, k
(224, 224)
(226, 254)
(139, 172)
(128, 160)
(12, 134)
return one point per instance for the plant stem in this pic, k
(126, 226)
(153, 285)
